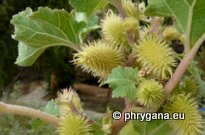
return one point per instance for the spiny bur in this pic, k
(156, 55)
(132, 26)
(99, 58)
(170, 33)
(74, 125)
(131, 9)
(68, 100)
(150, 93)
(113, 30)
(192, 123)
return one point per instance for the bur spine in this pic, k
(193, 122)
(155, 54)
(99, 58)
(150, 93)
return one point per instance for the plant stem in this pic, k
(118, 6)
(119, 124)
(178, 74)
(26, 111)
(188, 29)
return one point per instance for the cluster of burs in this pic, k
(150, 47)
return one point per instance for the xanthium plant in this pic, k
(134, 56)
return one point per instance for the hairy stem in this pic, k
(178, 74)
(26, 111)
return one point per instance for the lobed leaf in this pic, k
(51, 108)
(123, 82)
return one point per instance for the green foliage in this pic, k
(40, 30)
(188, 85)
(27, 55)
(88, 6)
(154, 127)
(37, 125)
(129, 129)
(123, 82)
(196, 72)
(91, 24)
(97, 129)
(19, 125)
(51, 108)
(188, 21)
(157, 8)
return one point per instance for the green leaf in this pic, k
(88, 6)
(129, 130)
(91, 24)
(46, 28)
(123, 82)
(40, 128)
(51, 108)
(157, 8)
(189, 15)
(97, 129)
(27, 55)
(153, 127)
(37, 125)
